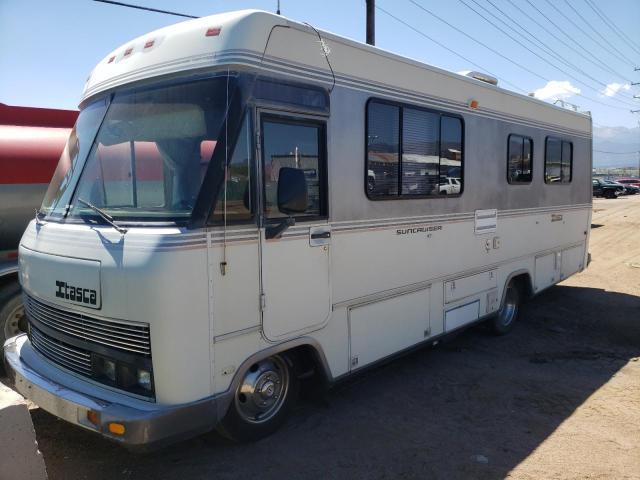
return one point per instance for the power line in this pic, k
(421, 33)
(578, 27)
(167, 12)
(597, 32)
(617, 153)
(542, 46)
(519, 65)
(536, 54)
(625, 39)
(595, 61)
(480, 42)
(562, 30)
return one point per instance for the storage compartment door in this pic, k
(572, 261)
(382, 328)
(547, 270)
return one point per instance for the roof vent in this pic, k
(483, 77)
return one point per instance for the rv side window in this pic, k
(450, 155)
(412, 152)
(558, 161)
(520, 155)
(383, 149)
(420, 156)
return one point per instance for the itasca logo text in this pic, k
(75, 294)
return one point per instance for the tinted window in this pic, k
(519, 159)
(237, 193)
(451, 153)
(527, 160)
(553, 161)
(558, 161)
(383, 149)
(428, 159)
(567, 160)
(294, 145)
(420, 158)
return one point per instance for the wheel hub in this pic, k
(15, 323)
(263, 390)
(268, 389)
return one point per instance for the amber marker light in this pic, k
(473, 104)
(116, 428)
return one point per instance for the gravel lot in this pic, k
(558, 398)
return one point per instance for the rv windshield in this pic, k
(142, 157)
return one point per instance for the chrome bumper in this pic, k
(147, 425)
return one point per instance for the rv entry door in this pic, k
(295, 233)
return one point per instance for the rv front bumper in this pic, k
(146, 425)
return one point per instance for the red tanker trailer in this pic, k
(31, 141)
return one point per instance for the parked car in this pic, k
(630, 189)
(606, 189)
(627, 189)
(450, 186)
(634, 182)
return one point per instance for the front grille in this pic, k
(70, 357)
(127, 337)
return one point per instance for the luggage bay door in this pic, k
(295, 247)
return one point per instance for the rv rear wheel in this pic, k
(262, 401)
(505, 318)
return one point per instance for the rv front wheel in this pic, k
(262, 400)
(12, 316)
(505, 318)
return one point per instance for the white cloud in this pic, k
(614, 88)
(556, 89)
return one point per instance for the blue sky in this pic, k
(47, 48)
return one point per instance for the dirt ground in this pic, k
(558, 398)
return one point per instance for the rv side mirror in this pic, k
(293, 194)
(293, 197)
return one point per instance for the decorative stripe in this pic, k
(453, 276)
(278, 65)
(199, 240)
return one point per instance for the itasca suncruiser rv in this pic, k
(245, 200)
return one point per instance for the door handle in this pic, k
(320, 235)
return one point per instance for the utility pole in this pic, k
(371, 22)
(636, 111)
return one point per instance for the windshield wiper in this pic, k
(107, 218)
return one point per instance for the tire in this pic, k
(610, 194)
(502, 322)
(262, 402)
(12, 318)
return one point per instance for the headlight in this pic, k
(144, 379)
(104, 368)
(123, 375)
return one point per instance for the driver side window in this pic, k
(236, 192)
(299, 145)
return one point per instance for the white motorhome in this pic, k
(246, 200)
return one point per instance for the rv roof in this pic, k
(269, 42)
